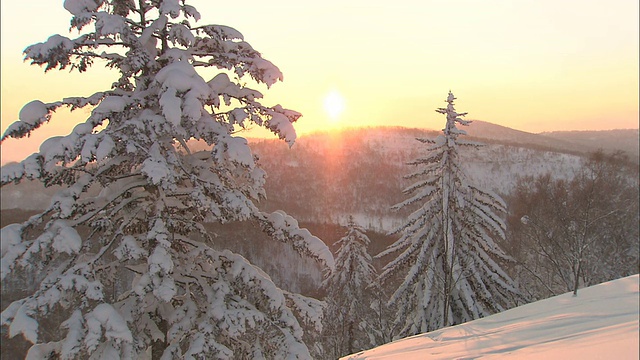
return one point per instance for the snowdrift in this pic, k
(600, 323)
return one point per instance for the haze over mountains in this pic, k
(572, 141)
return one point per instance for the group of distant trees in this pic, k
(566, 234)
(333, 184)
(131, 270)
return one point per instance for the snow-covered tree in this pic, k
(348, 323)
(127, 268)
(447, 248)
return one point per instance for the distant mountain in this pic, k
(575, 142)
(487, 130)
(609, 140)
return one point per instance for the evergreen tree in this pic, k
(447, 246)
(131, 270)
(350, 292)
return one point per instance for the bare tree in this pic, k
(578, 232)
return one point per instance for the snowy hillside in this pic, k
(359, 172)
(600, 323)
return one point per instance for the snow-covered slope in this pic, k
(600, 323)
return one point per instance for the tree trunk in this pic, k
(445, 308)
(576, 278)
(350, 338)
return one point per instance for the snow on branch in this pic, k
(285, 228)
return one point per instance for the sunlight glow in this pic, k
(577, 58)
(334, 105)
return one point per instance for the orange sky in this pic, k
(531, 65)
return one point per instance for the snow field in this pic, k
(600, 323)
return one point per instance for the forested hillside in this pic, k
(327, 177)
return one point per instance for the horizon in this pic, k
(533, 67)
(261, 134)
(348, 128)
(4, 160)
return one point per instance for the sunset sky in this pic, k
(531, 65)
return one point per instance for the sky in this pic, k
(532, 65)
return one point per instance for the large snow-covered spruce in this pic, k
(446, 253)
(131, 270)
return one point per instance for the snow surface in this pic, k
(600, 323)
(78, 7)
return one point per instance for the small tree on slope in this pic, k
(132, 270)
(447, 246)
(350, 290)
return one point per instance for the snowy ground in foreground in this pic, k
(600, 323)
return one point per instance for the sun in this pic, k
(334, 105)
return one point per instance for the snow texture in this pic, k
(33, 112)
(285, 228)
(105, 321)
(111, 104)
(78, 7)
